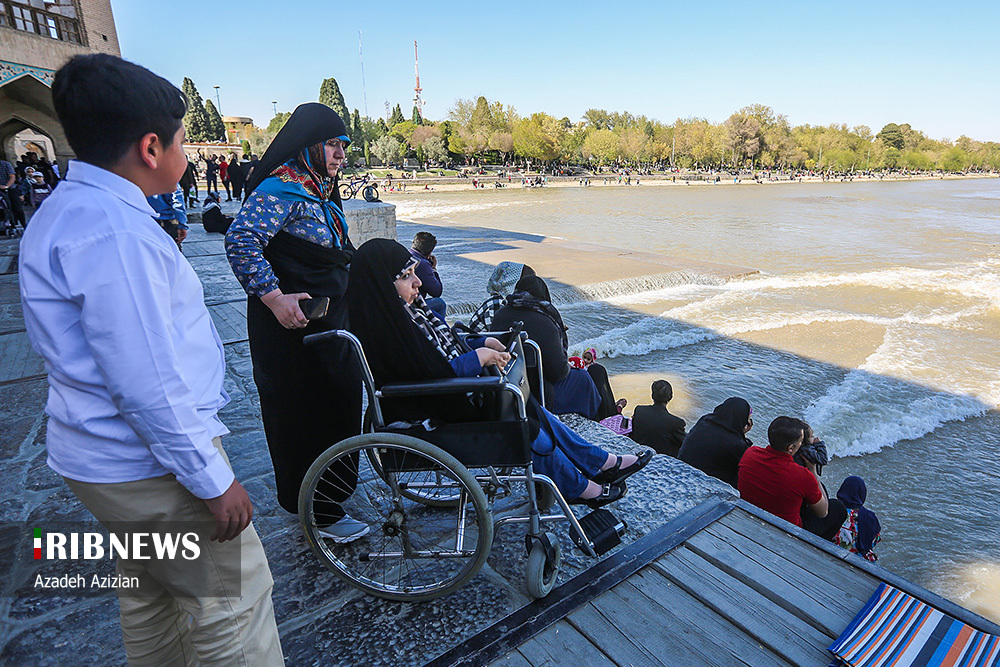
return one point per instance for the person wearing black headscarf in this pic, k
(406, 341)
(716, 443)
(290, 242)
(566, 389)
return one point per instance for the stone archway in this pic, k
(26, 103)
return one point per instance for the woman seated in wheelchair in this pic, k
(404, 341)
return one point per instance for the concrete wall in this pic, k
(370, 220)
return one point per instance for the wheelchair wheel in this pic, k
(543, 570)
(370, 193)
(412, 551)
(430, 495)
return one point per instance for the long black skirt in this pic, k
(310, 399)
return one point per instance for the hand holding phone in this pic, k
(313, 309)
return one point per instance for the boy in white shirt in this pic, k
(136, 370)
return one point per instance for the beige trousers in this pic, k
(164, 621)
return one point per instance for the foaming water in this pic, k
(423, 209)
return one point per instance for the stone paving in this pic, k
(321, 620)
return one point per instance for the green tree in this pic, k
(245, 145)
(404, 131)
(388, 149)
(357, 129)
(278, 122)
(601, 145)
(216, 128)
(538, 137)
(891, 136)
(417, 118)
(397, 117)
(381, 129)
(330, 95)
(435, 150)
(197, 126)
(598, 119)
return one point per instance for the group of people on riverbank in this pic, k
(782, 478)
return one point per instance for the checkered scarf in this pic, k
(436, 330)
(482, 319)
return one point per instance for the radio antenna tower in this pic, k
(388, 115)
(418, 102)
(361, 57)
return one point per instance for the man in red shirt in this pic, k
(771, 480)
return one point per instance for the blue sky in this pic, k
(930, 64)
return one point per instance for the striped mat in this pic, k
(897, 630)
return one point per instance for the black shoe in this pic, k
(609, 494)
(616, 473)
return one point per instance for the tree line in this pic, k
(755, 137)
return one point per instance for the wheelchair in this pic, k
(427, 491)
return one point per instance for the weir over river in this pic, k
(874, 316)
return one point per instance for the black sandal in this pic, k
(616, 473)
(609, 494)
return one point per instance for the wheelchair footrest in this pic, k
(603, 530)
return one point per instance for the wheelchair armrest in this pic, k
(445, 386)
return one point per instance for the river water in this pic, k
(875, 317)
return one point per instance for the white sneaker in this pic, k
(345, 530)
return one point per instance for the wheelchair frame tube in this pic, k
(366, 370)
(541, 373)
(534, 519)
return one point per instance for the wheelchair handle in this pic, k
(366, 370)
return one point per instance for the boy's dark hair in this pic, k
(783, 431)
(662, 391)
(106, 104)
(424, 243)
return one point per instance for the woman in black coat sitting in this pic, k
(566, 389)
(716, 443)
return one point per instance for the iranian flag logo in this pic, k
(38, 543)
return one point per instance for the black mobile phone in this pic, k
(314, 309)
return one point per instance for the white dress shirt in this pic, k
(134, 361)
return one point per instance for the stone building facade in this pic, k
(36, 38)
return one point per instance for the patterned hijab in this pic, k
(504, 278)
(280, 174)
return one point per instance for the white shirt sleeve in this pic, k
(125, 314)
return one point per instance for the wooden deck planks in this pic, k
(814, 576)
(776, 628)
(612, 622)
(512, 659)
(561, 644)
(684, 620)
(736, 590)
(850, 580)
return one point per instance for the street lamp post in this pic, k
(217, 101)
